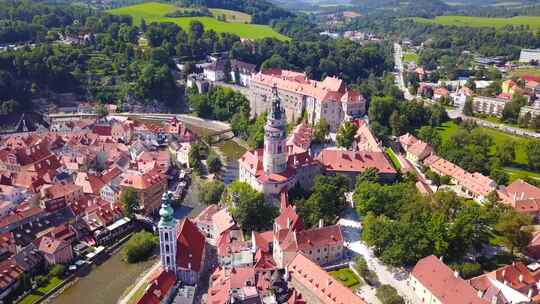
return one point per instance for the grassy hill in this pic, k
(532, 21)
(154, 12)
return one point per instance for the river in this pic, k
(105, 283)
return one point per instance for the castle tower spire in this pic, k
(167, 234)
(275, 156)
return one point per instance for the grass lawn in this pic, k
(532, 21)
(410, 57)
(347, 278)
(393, 158)
(526, 71)
(154, 12)
(516, 173)
(232, 16)
(37, 294)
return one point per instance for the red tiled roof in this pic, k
(348, 161)
(191, 242)
(160, 285)
(319, 237)
(51, 245)
(440, 280)
(102, 130)
(327, 289)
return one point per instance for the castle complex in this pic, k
(329, 99)
(275, 167)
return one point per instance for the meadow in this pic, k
(532, 21)
(518, 168)
(155, 12)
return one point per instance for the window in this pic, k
(166, 237)
(167, 248)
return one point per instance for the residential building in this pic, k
(510, 87)
(514, 283)
(241, 72)
(316, 285)
(441, 93)
(329, 99)
(214, 71)
(522, 196)
(9, 277)
(416, 150)
(434, 282)
(528, 55)
(365, 140)
(534, 111)
(489, 105)
(149, 186)
(55, 251)
(351, 164)
(475, 185)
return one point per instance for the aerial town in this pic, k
(269, 152)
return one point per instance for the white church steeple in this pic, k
(167, 234)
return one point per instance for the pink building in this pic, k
(55, 251)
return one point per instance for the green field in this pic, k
(410, 57)
(154, 12)
(346, 277)
(393, 158)
(35, 295)
(527, 71)
(532, 21)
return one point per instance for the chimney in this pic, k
(321, 223)
(456, 274)
(441, 259)
(504, 273)
(522, 195)
(530, 293)
(479, 293)
(521, 278)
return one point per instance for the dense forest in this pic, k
(109, 62)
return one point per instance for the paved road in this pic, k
(351, 227)
(398, 55)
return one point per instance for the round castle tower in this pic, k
(275, 156)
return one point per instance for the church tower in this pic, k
(275, 156)
(167, 234)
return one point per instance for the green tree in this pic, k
(514, 231)
(214, 162)
(211, 192)
(345, 134)
(140, 247)
(468, 109)
(326, 202)
(430, 135)
(388, 295)
(533, 155)
(506, 152)
(129, 201)
(248, 208)
(321, 131)
(57, 270)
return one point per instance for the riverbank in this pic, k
(105, 282)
